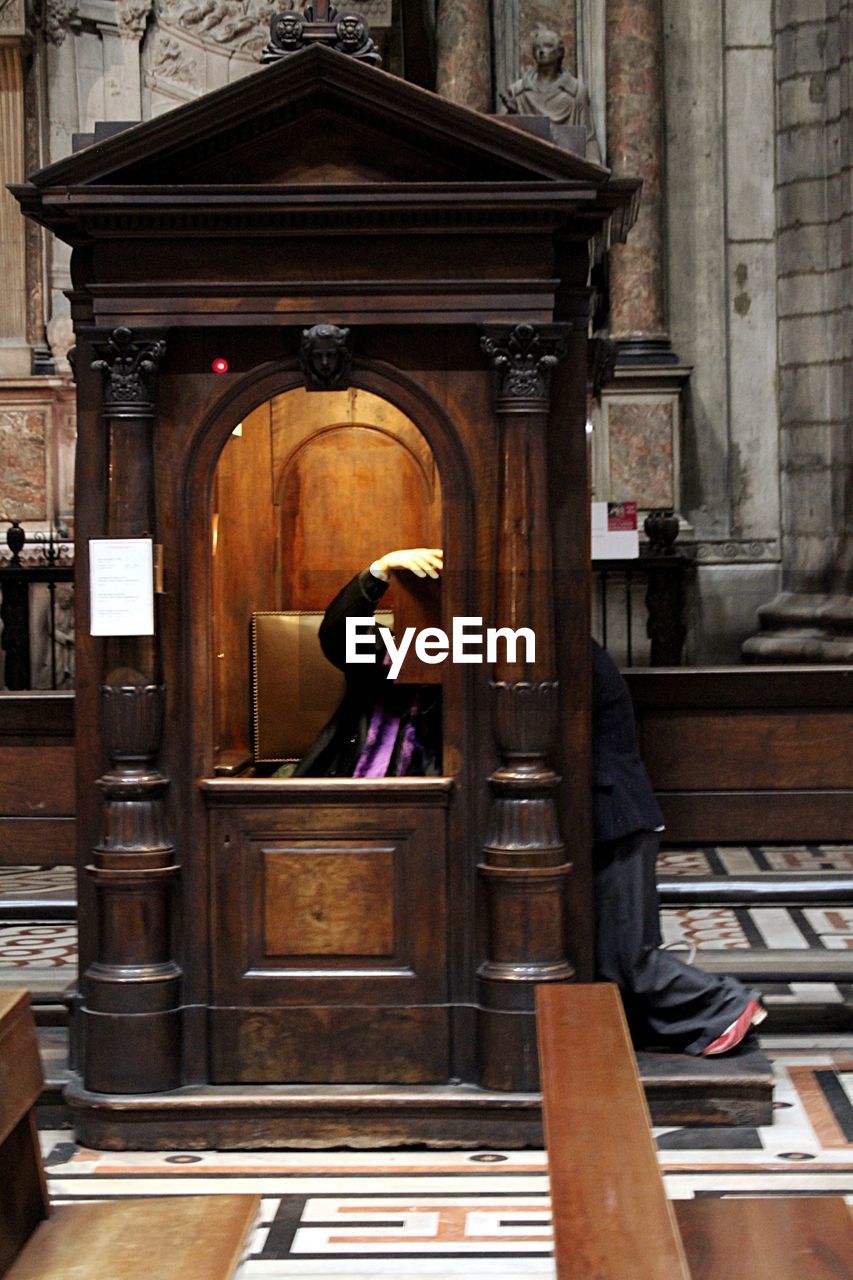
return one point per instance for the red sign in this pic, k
(621, 517)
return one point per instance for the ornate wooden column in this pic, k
(524, 867)
(131, 990)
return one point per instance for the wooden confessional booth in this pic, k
(322, 313)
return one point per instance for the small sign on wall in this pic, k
(614, 531)
(121, 586)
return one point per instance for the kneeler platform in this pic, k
(735, 1090)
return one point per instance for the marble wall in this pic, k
(749, 272)
(722, 306)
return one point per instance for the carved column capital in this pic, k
(60, 17)
(129, 367)
(524, 357)
(133, 18)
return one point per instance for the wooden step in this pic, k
(807, 964)
(735, 1089)
(730, 1091)
(764, 888)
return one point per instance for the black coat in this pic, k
(336, 750)
(623, 801)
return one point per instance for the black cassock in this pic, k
(666, 1001)
(371, 702)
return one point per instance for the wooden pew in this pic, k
(772, 1238)
(194, 1237)
(612, 1219)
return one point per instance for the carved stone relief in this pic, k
(170, 61)
(194, 46)
(52, 648)
(133, 17)
(60, 17)
(13, 18)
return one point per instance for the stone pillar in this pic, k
(811, 620)
(463, 40)
(15, 357)
(637, 441)
(635, 149)
(34, 235)
(131, 989)
(524, 866)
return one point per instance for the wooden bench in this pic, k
(772, 1238)
(194, 1237)
(609, 1207)
(612, 1219)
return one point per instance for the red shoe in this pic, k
(732, 1036)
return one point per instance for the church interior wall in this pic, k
(754, 234)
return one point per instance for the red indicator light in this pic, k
(219, 365)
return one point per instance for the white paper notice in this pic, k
(121, 586)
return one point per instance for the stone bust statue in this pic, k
(548, 89)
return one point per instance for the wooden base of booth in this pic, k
(679, 1090)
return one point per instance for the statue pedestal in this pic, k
(569, 137)
(799, 627)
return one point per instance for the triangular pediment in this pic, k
(318, 117)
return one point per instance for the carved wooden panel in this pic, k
(329, 900)
(331, 1045)
(327, 904)
(330, 925)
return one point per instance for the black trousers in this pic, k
(666, 1001)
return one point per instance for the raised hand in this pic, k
(424, 562)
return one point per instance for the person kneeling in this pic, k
(665, 999)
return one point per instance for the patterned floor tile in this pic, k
(31, 882)
(705, 927)
(683, 862)
(487, 1213)
(38, 945)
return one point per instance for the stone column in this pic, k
(524, 864)
(635, 149)
(34, 235)
(15, 357)
(638, 418)
(463, 40)
(131, 989)
(811, 620)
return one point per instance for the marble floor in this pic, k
(484, 1213)
(442, 1214)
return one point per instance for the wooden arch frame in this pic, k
(256, 388)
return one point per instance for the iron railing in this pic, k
(37, 610)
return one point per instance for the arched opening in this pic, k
(309, 488)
